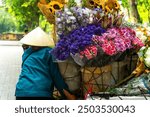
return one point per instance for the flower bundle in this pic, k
(107, 20)
(65, 22)
(76, 41)
(92, 35)
(83, 15)
(70, 19)
(143, 33)
(147, 57)
(117, 40)
(144, 56)
(90, 52)
(108, 47)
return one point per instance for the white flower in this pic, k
(148, 33)
(148, 29)
(141, 36)
(147, 57)
(139, 33)
(143, 39)
(147, 53)
(141, 52)
(147, 61)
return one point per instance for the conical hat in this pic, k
(37, 37)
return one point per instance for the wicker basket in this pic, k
(96, 79)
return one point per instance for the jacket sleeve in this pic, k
(57, 78)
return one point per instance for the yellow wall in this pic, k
(10, 36)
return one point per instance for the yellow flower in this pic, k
(96, 3)
(49, 9)
(43, 2)
(55, 6)
(60, 1)
(111, 5)
(101, 4)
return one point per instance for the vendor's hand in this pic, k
(68, 95)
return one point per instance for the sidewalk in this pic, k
(10, 62)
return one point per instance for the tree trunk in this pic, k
(134, 11)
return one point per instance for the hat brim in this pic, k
(37, 37)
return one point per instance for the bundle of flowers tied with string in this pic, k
(143, 33)
(93, 37)
(113, 45)
(92, 45)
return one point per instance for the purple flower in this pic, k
(76, 41)
(119, 38)
(120, 44)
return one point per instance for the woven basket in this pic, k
(96, 79)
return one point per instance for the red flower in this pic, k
(93, 50)
(109, 48)
(89, 52)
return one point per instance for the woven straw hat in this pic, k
(37, 37)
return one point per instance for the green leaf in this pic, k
(26, 4)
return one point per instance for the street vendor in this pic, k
(39, 74)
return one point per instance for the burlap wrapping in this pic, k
(71, 74)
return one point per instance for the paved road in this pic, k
(9, 43)
(10, 62)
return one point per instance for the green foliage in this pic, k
(145, 2)
(143, 13)
(7, 22)
(44, 24)
(125, 3)
(143, 8)
(26, 12)
(29, 16)
(84, 3)
(71, 3)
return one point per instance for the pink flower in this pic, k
(109, 48)
(95, 39)
(117, 40)
(120, 44)
(137, 42)
(126, 30)
(93, 50)
(89, 52)
(81, 54)
(127, 42)
(98, 40)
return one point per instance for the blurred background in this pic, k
(18, 15)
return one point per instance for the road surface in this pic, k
(10, 62)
